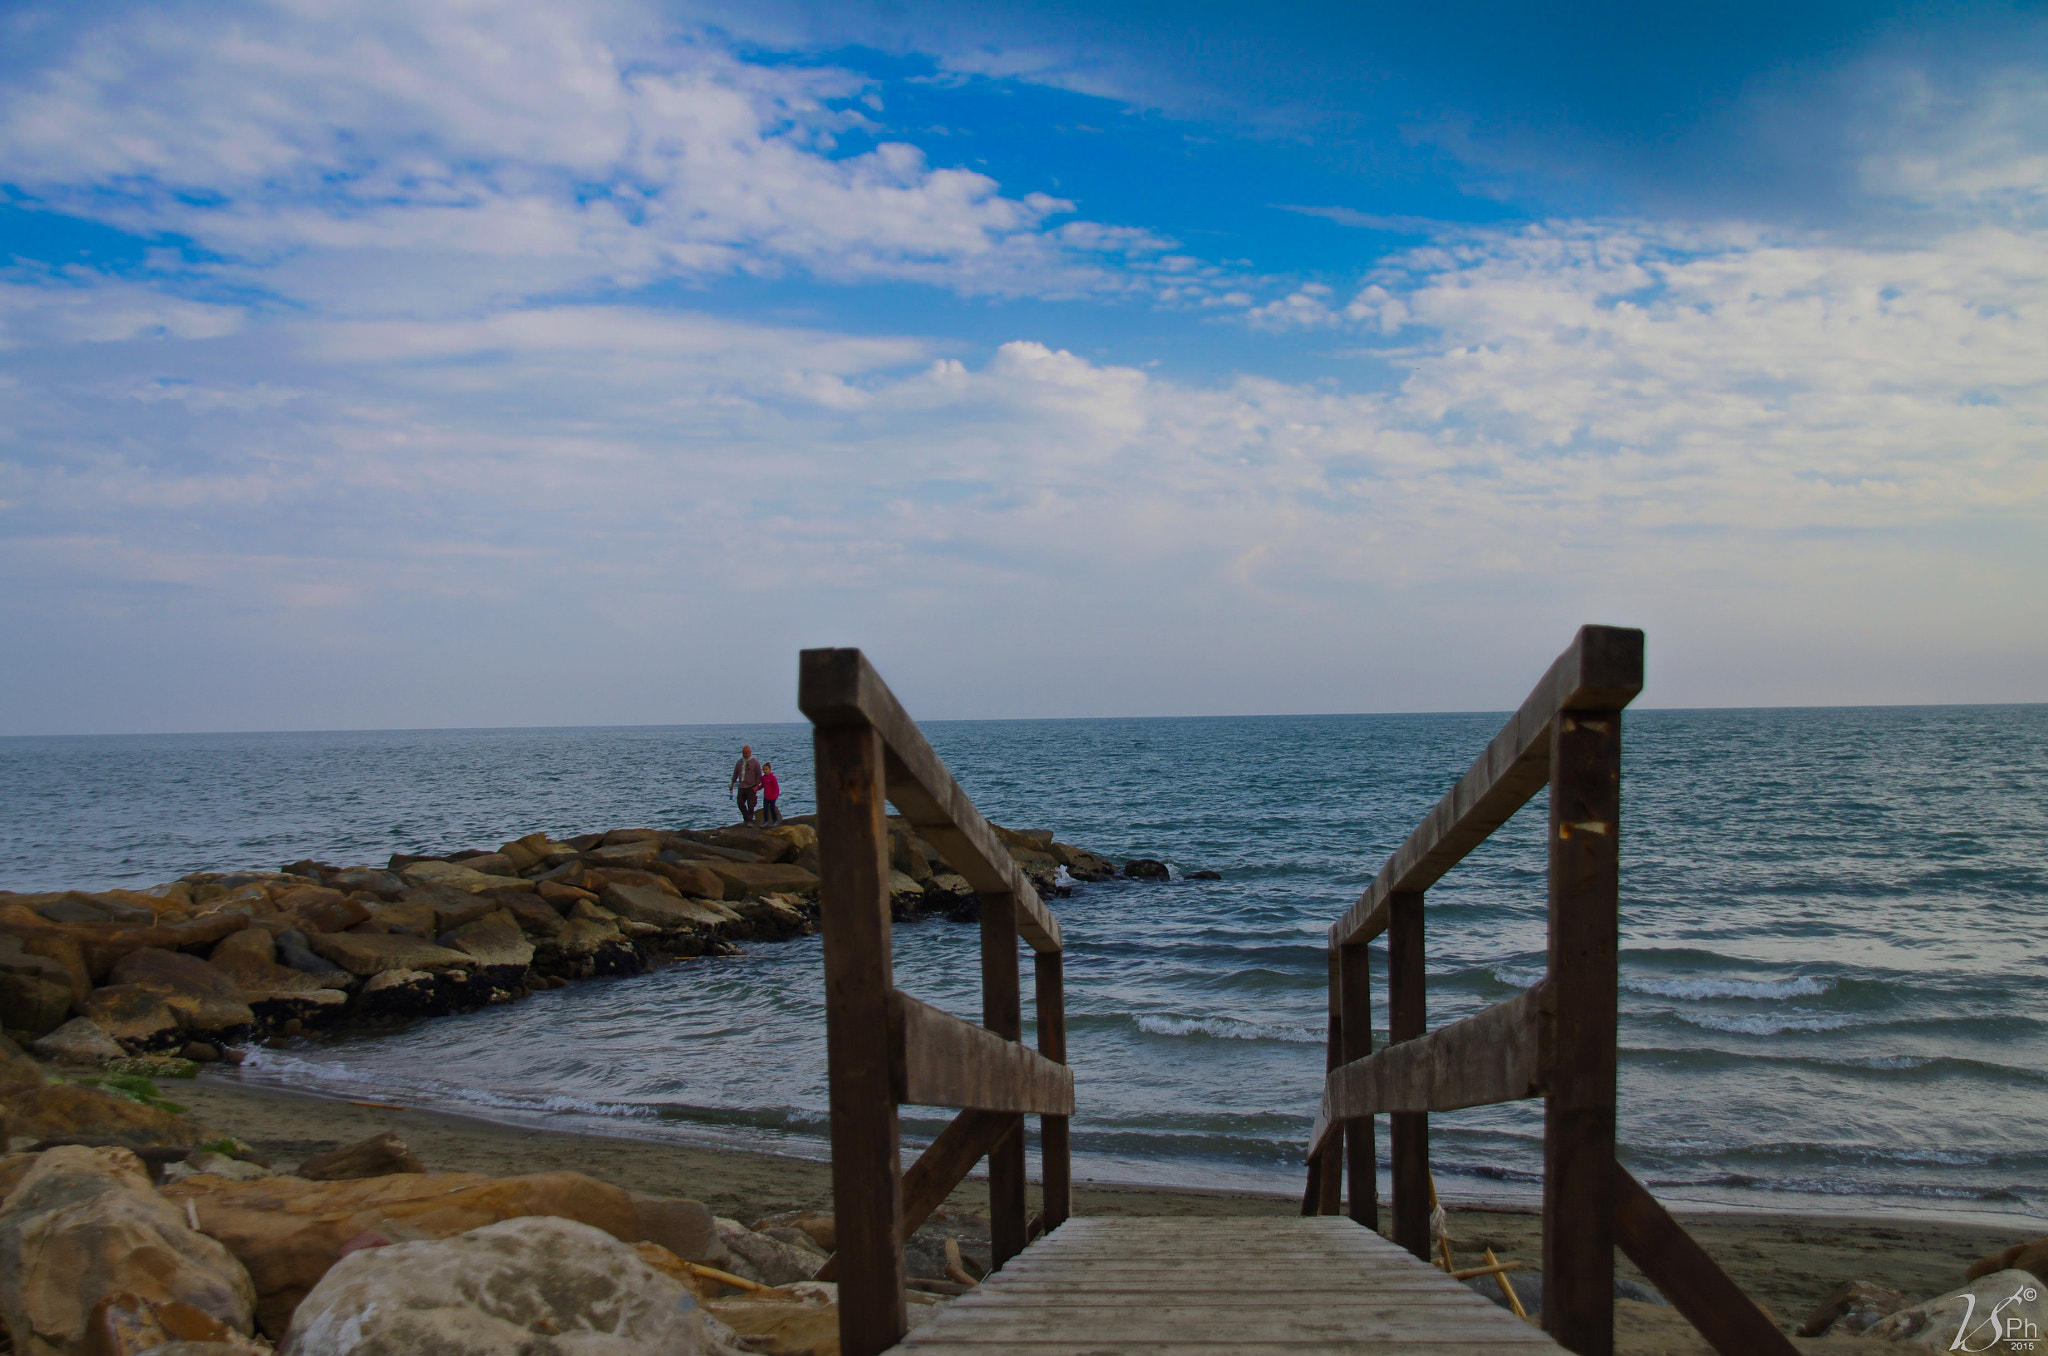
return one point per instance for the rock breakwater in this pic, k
(200, 964)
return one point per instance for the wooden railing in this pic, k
(887, 1049)
(1555, 1041)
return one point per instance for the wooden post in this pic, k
(853, 894)
(1578, 1109)
(1406, 1019)
(1330, 1179)
(1361, 1154)
(1002, 1011)
(1057, 1173)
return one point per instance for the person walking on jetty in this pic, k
(771, 791)
(746, 776)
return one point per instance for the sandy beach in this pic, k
(1787, 1261)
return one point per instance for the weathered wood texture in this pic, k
(1578, 1110)
(1298, 1286)
(840, 687)
(1330, 1177)
(854, 920)
(940, 1060)
(1054, 1148)
(1354, 979)
(1407, 1020)
(1002, 1012)
(1695, 1285)
(943, 1165)
(1492, 1056)
(1602, 669)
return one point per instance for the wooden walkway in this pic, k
(1300, 1286)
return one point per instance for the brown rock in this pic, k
(534, 914)
(365, 955)
(84, 1233)
(498, 947)
(16, 1067)
(743, 878)
(526, 853)
(288, 1231)
(2019, 1257)
(78, 1041)
(689, 879)
(491, 864)
(644, 904)
(768, 847)
(67, 1111)
(460, 877)
(619, 836)
(253, 943)
(203, 999)
(139, 1018)
(626, 854)
(562, 895)
(377, 1156)
(684, 1227)
(368, 880)
(35, 991)
(315, 908)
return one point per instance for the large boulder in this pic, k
(762, 878)
(414, 916)
(2002, 1304)
(66, 1111)
(205, 1001)
(692, 879)
(96, 946)
(368, 880)
(367, 954)
(524, 1287)
(460, 877)
(277, 993)
(288, 1231)
(315, 909)
(79, 1041)
(534, 914)
(2021, 1256)
(84, 1227)
(1082, 864)
(138, 1018)
(637, 854)
(768, 1260)
(294, 950)
(645, 904)
(35, 991)
(402, 995)
(498, 947)
(590, 943)
(16, 1067)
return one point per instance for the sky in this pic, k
(478, 364)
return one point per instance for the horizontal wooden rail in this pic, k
(937, 1059)
(840, 687)
(1602, 669)
(1696, 1287)
(1499, 1055)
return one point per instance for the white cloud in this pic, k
(455, 155)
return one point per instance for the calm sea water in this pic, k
(1834, 965)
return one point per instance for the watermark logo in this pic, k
(2016, 1331)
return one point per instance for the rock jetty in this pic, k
(204, 963)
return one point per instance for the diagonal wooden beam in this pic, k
(943, 1165)
(1696, 1287)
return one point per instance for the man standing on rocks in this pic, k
(746, 775)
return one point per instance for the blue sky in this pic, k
(481, 363)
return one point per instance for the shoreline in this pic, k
(1788, 1260)
(603, 1129)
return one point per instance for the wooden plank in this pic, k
(1002, 1012)
(840, 687)
(1054, 1143)
(1691, 1280)
(853, 916)
(943, 1165)
(1578, 1113)
(1137, 1286)
(940, 1060)
(1361, 1156)
(1492, 1056)
(1601, 669)
(1407, 1020)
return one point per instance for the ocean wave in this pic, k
(1765, 1024)
(1229, 1029)
(1805, 986)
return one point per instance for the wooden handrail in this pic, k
(1556, 1040)
(841, 688)
(940, 1060)
(1602, 670)
(1498, 1055)
(885, 1048)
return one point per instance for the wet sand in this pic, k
(1787, 1262)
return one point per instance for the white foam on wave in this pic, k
(1519, 976)
(1764, 1024)
(339, 1076)
(1805, 986)
(1229, 1029)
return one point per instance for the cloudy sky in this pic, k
(469, 363)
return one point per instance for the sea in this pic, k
(1834, 963)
